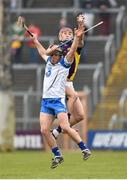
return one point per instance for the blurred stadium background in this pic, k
(101, 76)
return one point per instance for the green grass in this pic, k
(36, 164)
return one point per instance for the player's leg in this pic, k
(71, 98)
(45, 123)
(75, 107)
(79, 112)
(64, 124)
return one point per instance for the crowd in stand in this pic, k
(19, 36)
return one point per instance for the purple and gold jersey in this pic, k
(74, 66)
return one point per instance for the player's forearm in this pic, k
(81, 41)
(40, 48)
(74, 45)
(81, 24)
(71, 53)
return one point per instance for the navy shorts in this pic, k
(53, 106)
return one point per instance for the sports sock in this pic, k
(56, 131)
(56, 151)
(59, 129)
(82, 145)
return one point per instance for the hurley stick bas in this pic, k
(21, 23)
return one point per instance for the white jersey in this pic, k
(55, 78)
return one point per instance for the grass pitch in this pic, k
(36, 165)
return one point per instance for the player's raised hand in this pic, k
(79, 32)
(81, 21)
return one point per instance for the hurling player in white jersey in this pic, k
(53, 98)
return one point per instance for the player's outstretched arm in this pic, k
(40, 48)
(81, 23)
(78, 33)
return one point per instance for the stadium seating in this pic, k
(23, 79)
(116, 83)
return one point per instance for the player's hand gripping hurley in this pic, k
(21, 23)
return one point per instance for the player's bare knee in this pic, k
(65, 128)
(45, 131)
(72, 95)
(75, 97)
(80, 117)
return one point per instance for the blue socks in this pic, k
(82, 145)
(56, 151)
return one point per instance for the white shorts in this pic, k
(69, 84)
